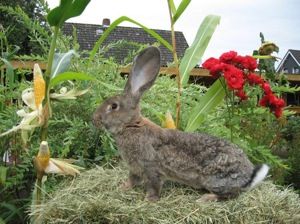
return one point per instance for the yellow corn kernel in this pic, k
(39, 85)
(169, 122)
(43, 156)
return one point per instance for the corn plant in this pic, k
(38, 99)
(192, 55)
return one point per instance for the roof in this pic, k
(295, 54)
(88, 34)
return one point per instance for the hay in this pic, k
(95, 197)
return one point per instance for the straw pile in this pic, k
(95, 197)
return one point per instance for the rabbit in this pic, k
(154, 154)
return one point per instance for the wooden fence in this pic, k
(196, 72)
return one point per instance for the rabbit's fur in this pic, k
(154, 154)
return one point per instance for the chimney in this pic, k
(106, 22)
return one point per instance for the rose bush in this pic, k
(238, 70)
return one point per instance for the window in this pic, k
(296, 70)
(285, 71)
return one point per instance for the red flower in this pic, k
(266, 87)
(241, 94)
(217, 69)
(238, 60)
(234, 78)
(264, 101)
(249, 63)
(274, 103)
(232, 66)
(228, 57)
(254, 79)
(278, 112)
(209, 63)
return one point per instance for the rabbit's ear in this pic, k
(144, 71)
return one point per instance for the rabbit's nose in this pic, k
(96, 120)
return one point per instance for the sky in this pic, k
(241, 21)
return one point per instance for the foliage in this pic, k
(66, 10)
(291, 133)
(70, 132)
(26, 24)
(193, 54)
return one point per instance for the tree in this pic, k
(12, 14)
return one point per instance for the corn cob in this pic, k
(43, 156)
(39, 86)
(169, 122)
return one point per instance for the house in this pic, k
(290, 64)
(127, 39)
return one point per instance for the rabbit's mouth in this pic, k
(96, 120)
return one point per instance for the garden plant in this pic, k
(48, 110)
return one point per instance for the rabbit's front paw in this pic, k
(132, 181)
(152, 198)
(126, 185)
(208, 198)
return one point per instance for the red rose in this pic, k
(266, 87)
(278, 112)
(264, 102)
(234, 78)
(238, 61)
(249, 63)
(228, 57)
(217, 69)
(241, 94)
(254, 79)
(209, 63)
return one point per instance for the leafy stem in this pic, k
(178, 76)
(47, 108)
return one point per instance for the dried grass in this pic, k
(94, 197)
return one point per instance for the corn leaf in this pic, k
(61, 62)
(9, 72)
(212, 98)
(195, 52)
(172, 6)
(10, 211)
(180, 10)
(3, 172)
(264, 56)
(69, 76)
(116, 23)
(66, 10)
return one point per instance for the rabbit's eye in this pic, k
(114, 106)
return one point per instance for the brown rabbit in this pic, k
(154, 154)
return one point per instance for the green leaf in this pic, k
(66, 10)
(69, 76)
(212, 98)
(10, 211)
(195, 52)
(111, 87)
(9, 72)
(264, 56)
(172, 6)
(61, 62)
(116, 23)
(180, 10)
(9, 55)
(3, 172)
